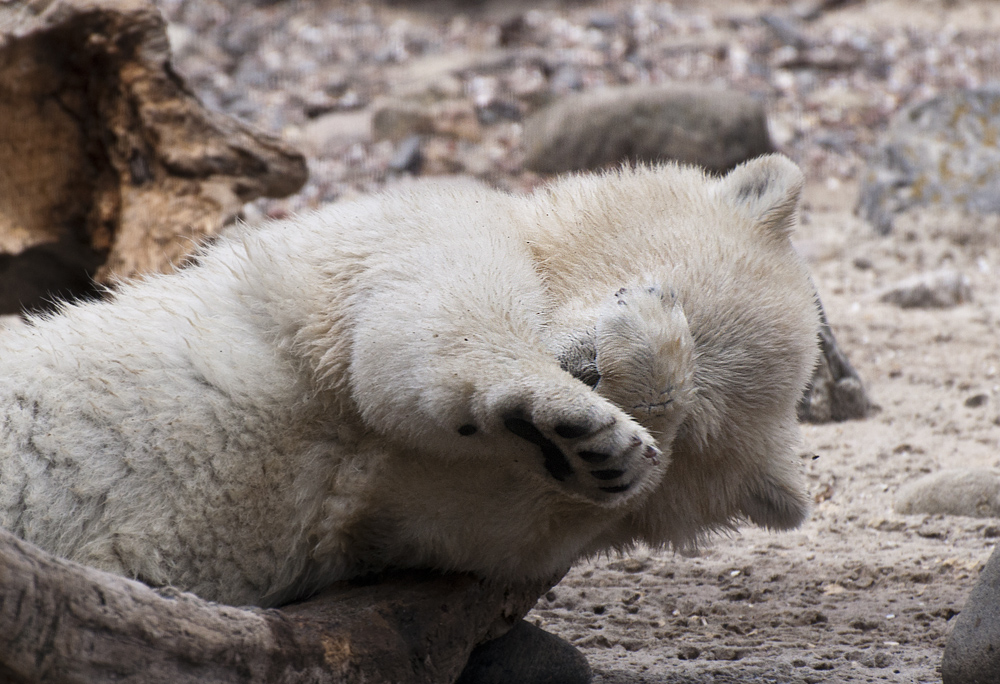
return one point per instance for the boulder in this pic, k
(972, 655)
(715, 129)
(973, 492)
(106, 152)
(941, 289)
(940, 152)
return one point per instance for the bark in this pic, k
(63, 622)
(104, 149)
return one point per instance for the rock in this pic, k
(940, 289)
(943, 151)
(397, 119)
(407, 156)
(527, 655)
(713, 128)
(972, 655)
(103, 145)
(835, 392)
(973, 492)
(338, 129)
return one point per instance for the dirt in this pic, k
(859, 593)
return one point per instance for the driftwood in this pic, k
(61, 622)
(105, 152)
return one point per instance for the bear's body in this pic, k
(409, 380)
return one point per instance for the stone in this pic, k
(105, 147)
(527, 655)
(397, 119)
(973, 492)
(712, 128)
(337, 129)
(972, 655)
(943, 151)
(941, 289)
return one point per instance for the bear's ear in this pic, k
(766, 190)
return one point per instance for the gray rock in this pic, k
(972, 655)
(526, 655)
(944, 151)
(713, 128)
(940, 289)
(973, 492)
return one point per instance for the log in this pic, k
(62, 622)
(104, 150)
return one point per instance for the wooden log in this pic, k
(62, 622)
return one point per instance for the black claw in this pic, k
(570, 431)
(555, 461)
(617, 489)
(467, 430)
(611, 474)
(593, 456)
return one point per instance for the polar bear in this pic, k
(442, 377)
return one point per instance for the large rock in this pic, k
(106, 152)
(944, 151)
(941, 289)
(715, 129)
(973, 492)
(972, 655)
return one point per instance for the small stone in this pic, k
(940, 289)
(973, 492)
(977, 400)
(407, 156)
(688, 653)
(397, 120)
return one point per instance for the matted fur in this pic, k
(441, 376)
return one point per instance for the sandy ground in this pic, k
(859, 593)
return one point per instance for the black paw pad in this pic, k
(593, 456)
(610, 474)
(571, 431)
(467, 430)
(555, 461)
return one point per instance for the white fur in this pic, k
(296, 407)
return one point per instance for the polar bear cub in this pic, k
(440, 377)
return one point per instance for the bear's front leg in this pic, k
(451, 361)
